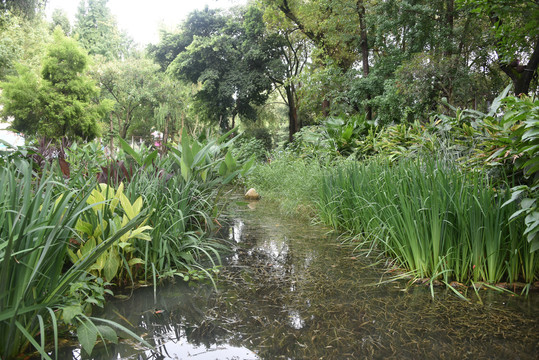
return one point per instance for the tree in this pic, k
(228, 57)
(25, 8)
(515, 25)
(98, 31)
(339, 30)
(131, 84)
(294, 50)
(22, 41)
(60, 102)
(59, 18)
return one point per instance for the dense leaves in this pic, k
(60, 102)
(228, 57)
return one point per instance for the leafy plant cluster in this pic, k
(66, 237)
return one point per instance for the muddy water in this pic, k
(291, 291)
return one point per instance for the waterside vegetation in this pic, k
(412, 126)
(69, 240)
(453, 200)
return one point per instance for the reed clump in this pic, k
(433, 218)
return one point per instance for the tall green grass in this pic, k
(289, 179)
(431, 217)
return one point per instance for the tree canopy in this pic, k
(394, 61)
(227, 55)
(58, 103)
(98, 32)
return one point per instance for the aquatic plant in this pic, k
(38, 217)
(432, 218)
(292, 180)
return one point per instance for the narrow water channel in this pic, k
(291, 291)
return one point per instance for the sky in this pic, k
(141, 19)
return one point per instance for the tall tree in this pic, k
(98, 31)
(59, 18)
(229, 59)
(339, 29)
(60, 102)
(25, 8)
(515, 25)
(294, 49)
(131, 84)
(22, 41)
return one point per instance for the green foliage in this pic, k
(211, 162)
(98, 33)
(513, 22)
(432, 218)
(61, 102)
(504, 142)
(20, 96)
(514, 139)
(247, 148)
(289, 179)
(229, 64)
(132, 84)
(24, 8)
(182, 188)
(112, 210)
(35, 233)
(59, 18)
(22, 41)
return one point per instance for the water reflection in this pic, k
(290, 291)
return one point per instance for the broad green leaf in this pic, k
(527, 203)
(127, 207)
(107, 333)
(69, 312)
(111, 265)
(84, 227)
(150, 158)
(230, 162)
(204, 174)
(222, 169)
(74, 258)
(137, 206)
(186, 171)
(514, 196)
(87, 335)
(88, 246)
(129, 150)
(139, 233)
(92, 300)
(247, 166)
(135, 261)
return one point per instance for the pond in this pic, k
(290, 290)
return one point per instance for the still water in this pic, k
(290, 290)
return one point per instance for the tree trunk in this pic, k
(364, 50)
(522, 75)
(223, 123)
(325, 107)
(111, 137)
(293, 126)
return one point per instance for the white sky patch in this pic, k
(142, 19)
